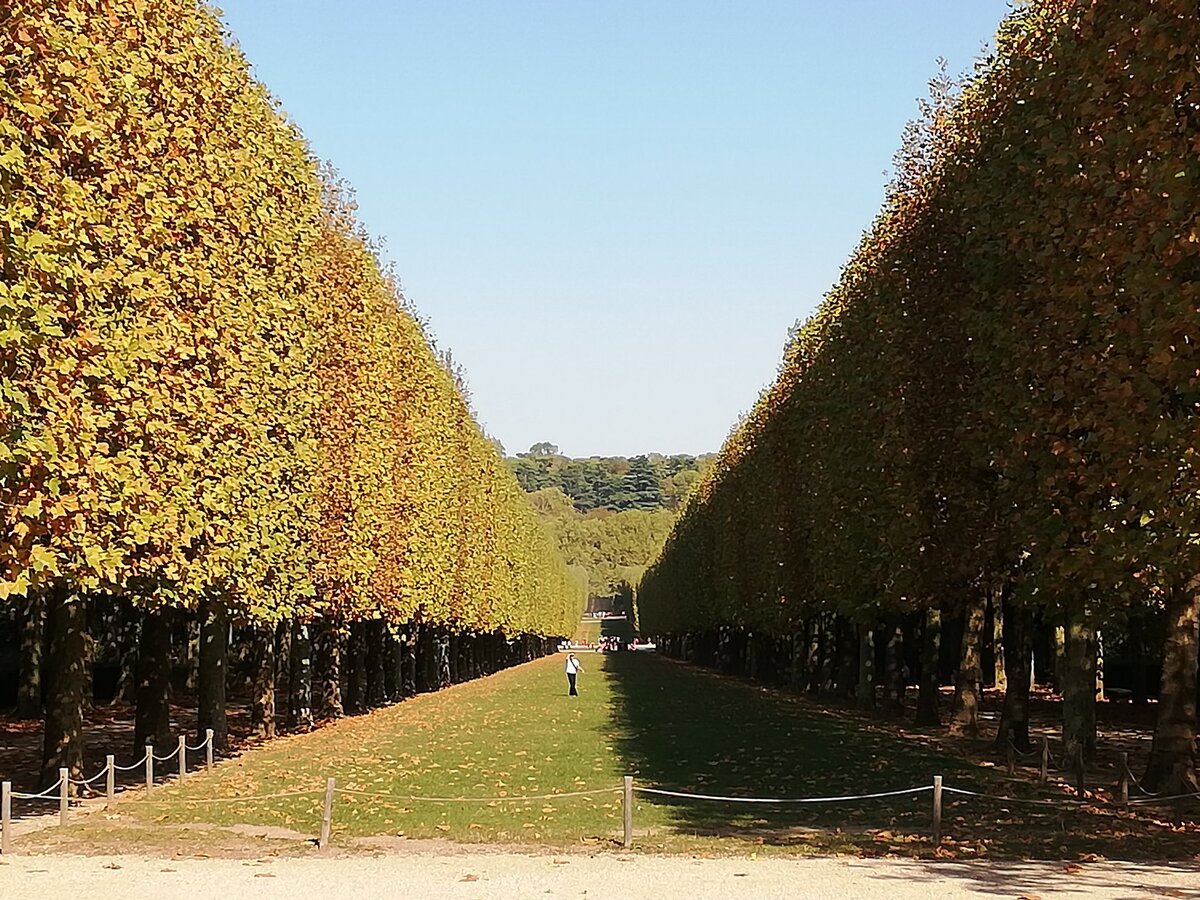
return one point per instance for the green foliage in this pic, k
(208, 388)
(1003, 386)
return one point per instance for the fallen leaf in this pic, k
(469, 878)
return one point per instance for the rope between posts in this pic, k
(87, 781)
(166, 758)
(772, 800)
(309, 793)
(199, 746)
(355, 793)
(1158, 799)
(1067, 800)
(50, 793)
(137, 765)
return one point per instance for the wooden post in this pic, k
(628, 838)
(208, 749)
(1045, 759)
(1124, 787)
(149, 770)
(64, 794)
(110, 777)
(182, 758)
(5, 817)
(326, 817)
(937, 809)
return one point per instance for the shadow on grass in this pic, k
(685, 729)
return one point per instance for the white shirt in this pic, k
(573, 665)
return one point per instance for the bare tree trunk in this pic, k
(214, 649)
(328, 656)
(373, 640)
(152, 719)
(33, 648)
(968, 688)
(300, 678)
(125, 628)
(1172, 766)
(356, 677)
(999, 677)
(66, 684)
(408, 660)
(931, 647)
(262, 708)
(1018, 649)
(1079, 682)
(893, 674)
(865, 693)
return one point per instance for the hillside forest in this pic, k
(609, 514)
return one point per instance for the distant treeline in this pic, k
(649, 481)
(610, 515)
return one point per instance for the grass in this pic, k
(513, 737)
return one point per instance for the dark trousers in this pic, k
(571, 681)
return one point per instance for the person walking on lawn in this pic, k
(573, 669)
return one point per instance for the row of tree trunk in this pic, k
(295, 672)
(873, 664)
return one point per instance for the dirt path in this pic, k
(495, 876)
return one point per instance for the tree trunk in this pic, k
(1172, 766)
(66, 685)
(408, 661)
(931, 648)
(443, 658)
(1060, 659)
(968, 688)
(864, 697)
(126, 628)
(1018, 658)
(356, 677)
(191, 654)
(328, 655)
(33, 648)
(262, 706)
(373, 637)
(300, 713)
(214, 648)
(999, 678)
(152, 719)
(391, 667)
(1079, 682)
(893, 673)
(283, 666)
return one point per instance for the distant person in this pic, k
(573, 669)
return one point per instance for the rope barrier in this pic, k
(285, 794)
(1036, 802)
(200, 746)
(664, 793)
(1141, 801)
(355, 793)
(50, 793)
(137, 765)
(86, 781)
(166, 758)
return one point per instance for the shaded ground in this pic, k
(510, 759)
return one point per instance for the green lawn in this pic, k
(515, 736)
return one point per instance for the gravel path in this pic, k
(495, 876)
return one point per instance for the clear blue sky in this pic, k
(611, 210)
